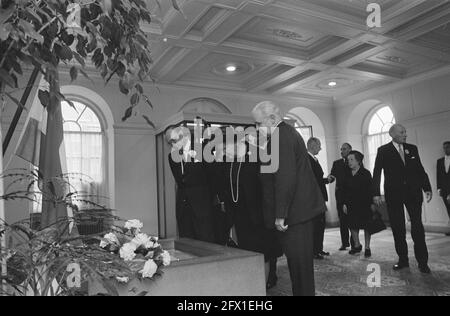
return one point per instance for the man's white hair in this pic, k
(394, 129)
(266, 109)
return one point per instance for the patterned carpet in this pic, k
(344, 275)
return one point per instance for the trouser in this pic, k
(297, 244)
(319, 232)
(396, 213)
(346, 239)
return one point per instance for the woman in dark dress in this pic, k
(358, 201)
(244, 201)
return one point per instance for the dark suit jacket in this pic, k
(192, 186)
(318, 173)
(292, 191)
(340, 171)
(443, 178)
(402, 180)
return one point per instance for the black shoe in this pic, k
(401, 265)
(271, 282)
(355, 251)
(447, 234)
(368, 253)
(324, 253)
(319, 257)
(425, 269)
(343, 248)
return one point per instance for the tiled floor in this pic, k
(343, 274)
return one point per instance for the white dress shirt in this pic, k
(447, 163)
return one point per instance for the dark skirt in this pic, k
(359, 217)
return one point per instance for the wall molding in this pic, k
(133, 129)
(417, 121)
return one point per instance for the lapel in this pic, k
(395, 152)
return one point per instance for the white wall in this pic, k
(424, 109)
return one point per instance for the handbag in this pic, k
(376, 224)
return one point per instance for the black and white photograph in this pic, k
(225, 153)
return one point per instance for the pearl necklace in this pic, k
(235, 198)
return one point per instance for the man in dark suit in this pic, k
(193, 205)
(339, 171)
(292, 198)
(405, 179)
(314, 147)
(443, 177)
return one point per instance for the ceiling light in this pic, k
(165, 39)
(332, 83)
(231, 68)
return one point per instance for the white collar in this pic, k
(279, 123)
(447, 157)
(315, 158)
(398, 145)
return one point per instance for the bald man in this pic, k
(291, 196)
(405, 179)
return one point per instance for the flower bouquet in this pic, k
(142, 253)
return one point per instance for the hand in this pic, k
(345, 209)
(377, 200)
(279, 225)
(429, 196)
(439, 192)
(331, 178)
(448, 199)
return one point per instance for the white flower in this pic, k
(149, 270)
(109, 239)
(165, 256)
(134, 223)
(143, 240)
(122, 279)
(127, 251)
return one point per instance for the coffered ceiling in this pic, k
(313, 49)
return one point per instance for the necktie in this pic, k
(402, 152)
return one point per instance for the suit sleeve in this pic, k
(379, 162)
(439, 175)
(426, 185)
(333, 170)
(176, 172)
(285, 177)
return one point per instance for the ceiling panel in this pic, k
(296, 47)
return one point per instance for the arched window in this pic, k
(85, 153)
(304, 130)
(377, 133)
(85, 150)
(83, 141)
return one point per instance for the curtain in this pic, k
(86, 162)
